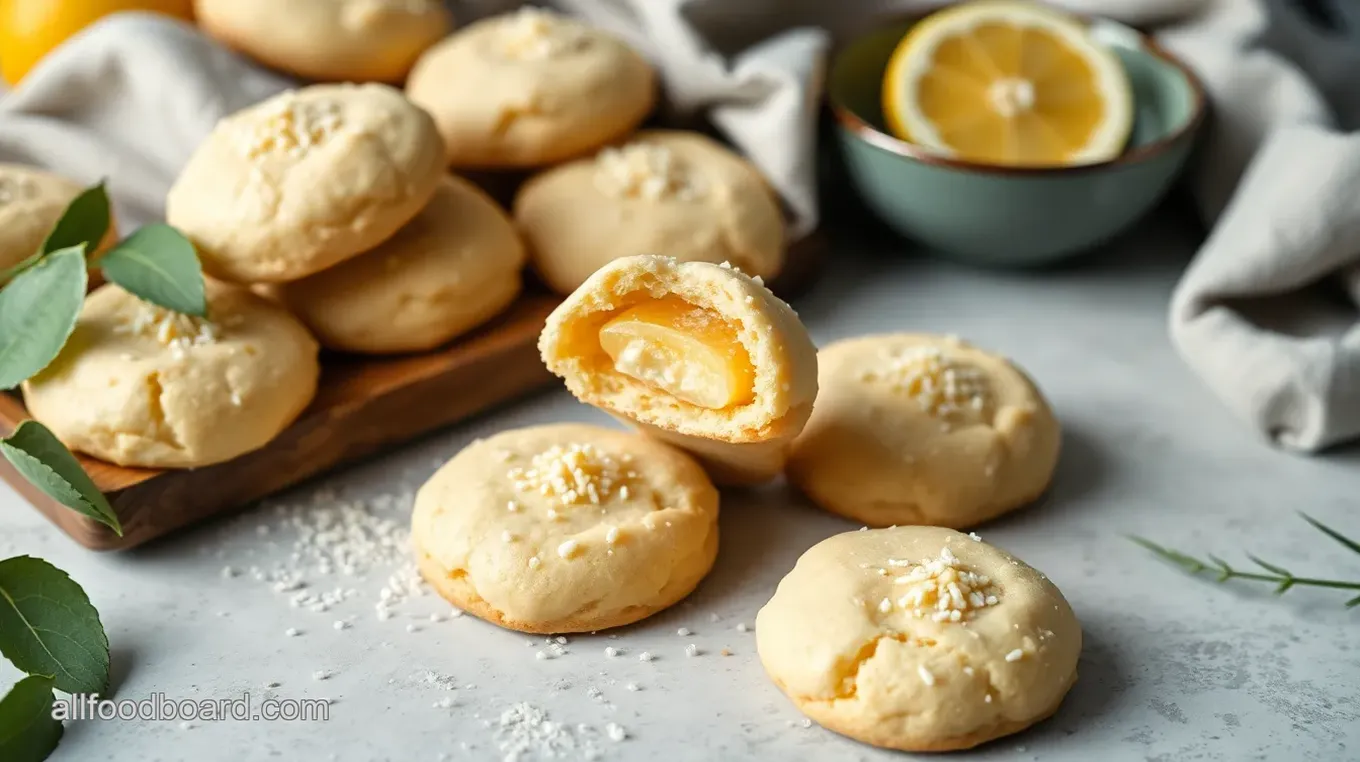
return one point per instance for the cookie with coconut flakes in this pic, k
(699, 355)
(531, 88)
(137, 385)
(920, 429)
(305, 180)
(31, 202)
(329, 40)
(668, 192)
(919, 639)
(565, 528)
(452, 268)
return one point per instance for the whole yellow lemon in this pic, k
(29, 29)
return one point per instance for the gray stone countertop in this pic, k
(1173, 669)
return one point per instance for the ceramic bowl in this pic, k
(1009, 216)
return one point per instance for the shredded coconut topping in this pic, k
(16, 188)
(534, 34)
(927, 676)
(942, 589)
(573, 475)
(171, 329)
(941, 385)
(289, 126)
(650, 172)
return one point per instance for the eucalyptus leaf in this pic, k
(46, 463)
(49, 627)
(38, 311)
(27, 731)
(159, 265)
(85, 220)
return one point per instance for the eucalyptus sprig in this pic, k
(40, 306)
(1282, 578)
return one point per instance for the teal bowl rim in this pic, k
(859, 127)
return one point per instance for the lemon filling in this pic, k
(686, 351)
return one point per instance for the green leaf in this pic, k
(45, 462)
(49, 627)
(1284, 586)
(158, 264)
(1269, 567)
(1332, 533)
(1352, 603)
(38, 311)
(27, 731)
(85, 221)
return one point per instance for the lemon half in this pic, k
(1009, 83)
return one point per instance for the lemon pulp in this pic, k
(687, 351)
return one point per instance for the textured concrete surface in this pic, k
(1174, 668)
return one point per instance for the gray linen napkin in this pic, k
(131, 97)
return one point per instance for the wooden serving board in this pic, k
(363, 404)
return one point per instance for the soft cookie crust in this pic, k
(743, 444)
(305, 180)
(329, 40)
(919, 639)
(566, 528)
(780, 350)
(139, 386)
(668, 192)
(919, 429)
(531, 88)
(453, 267)
(31, 202)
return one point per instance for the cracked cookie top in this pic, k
(919, 638)
(304, 180)
(140, 386)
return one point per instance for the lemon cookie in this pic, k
(694, 353)
(530, 88)
(916, 429)
(919, 639)
(31, 202)
(566, 528)
(453, 267)
(665, 192)
(305, 180)
(331, 40)
(139, 386)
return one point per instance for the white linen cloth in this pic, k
(1278, 178)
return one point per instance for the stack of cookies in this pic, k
(334, 200)
(535, 90)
